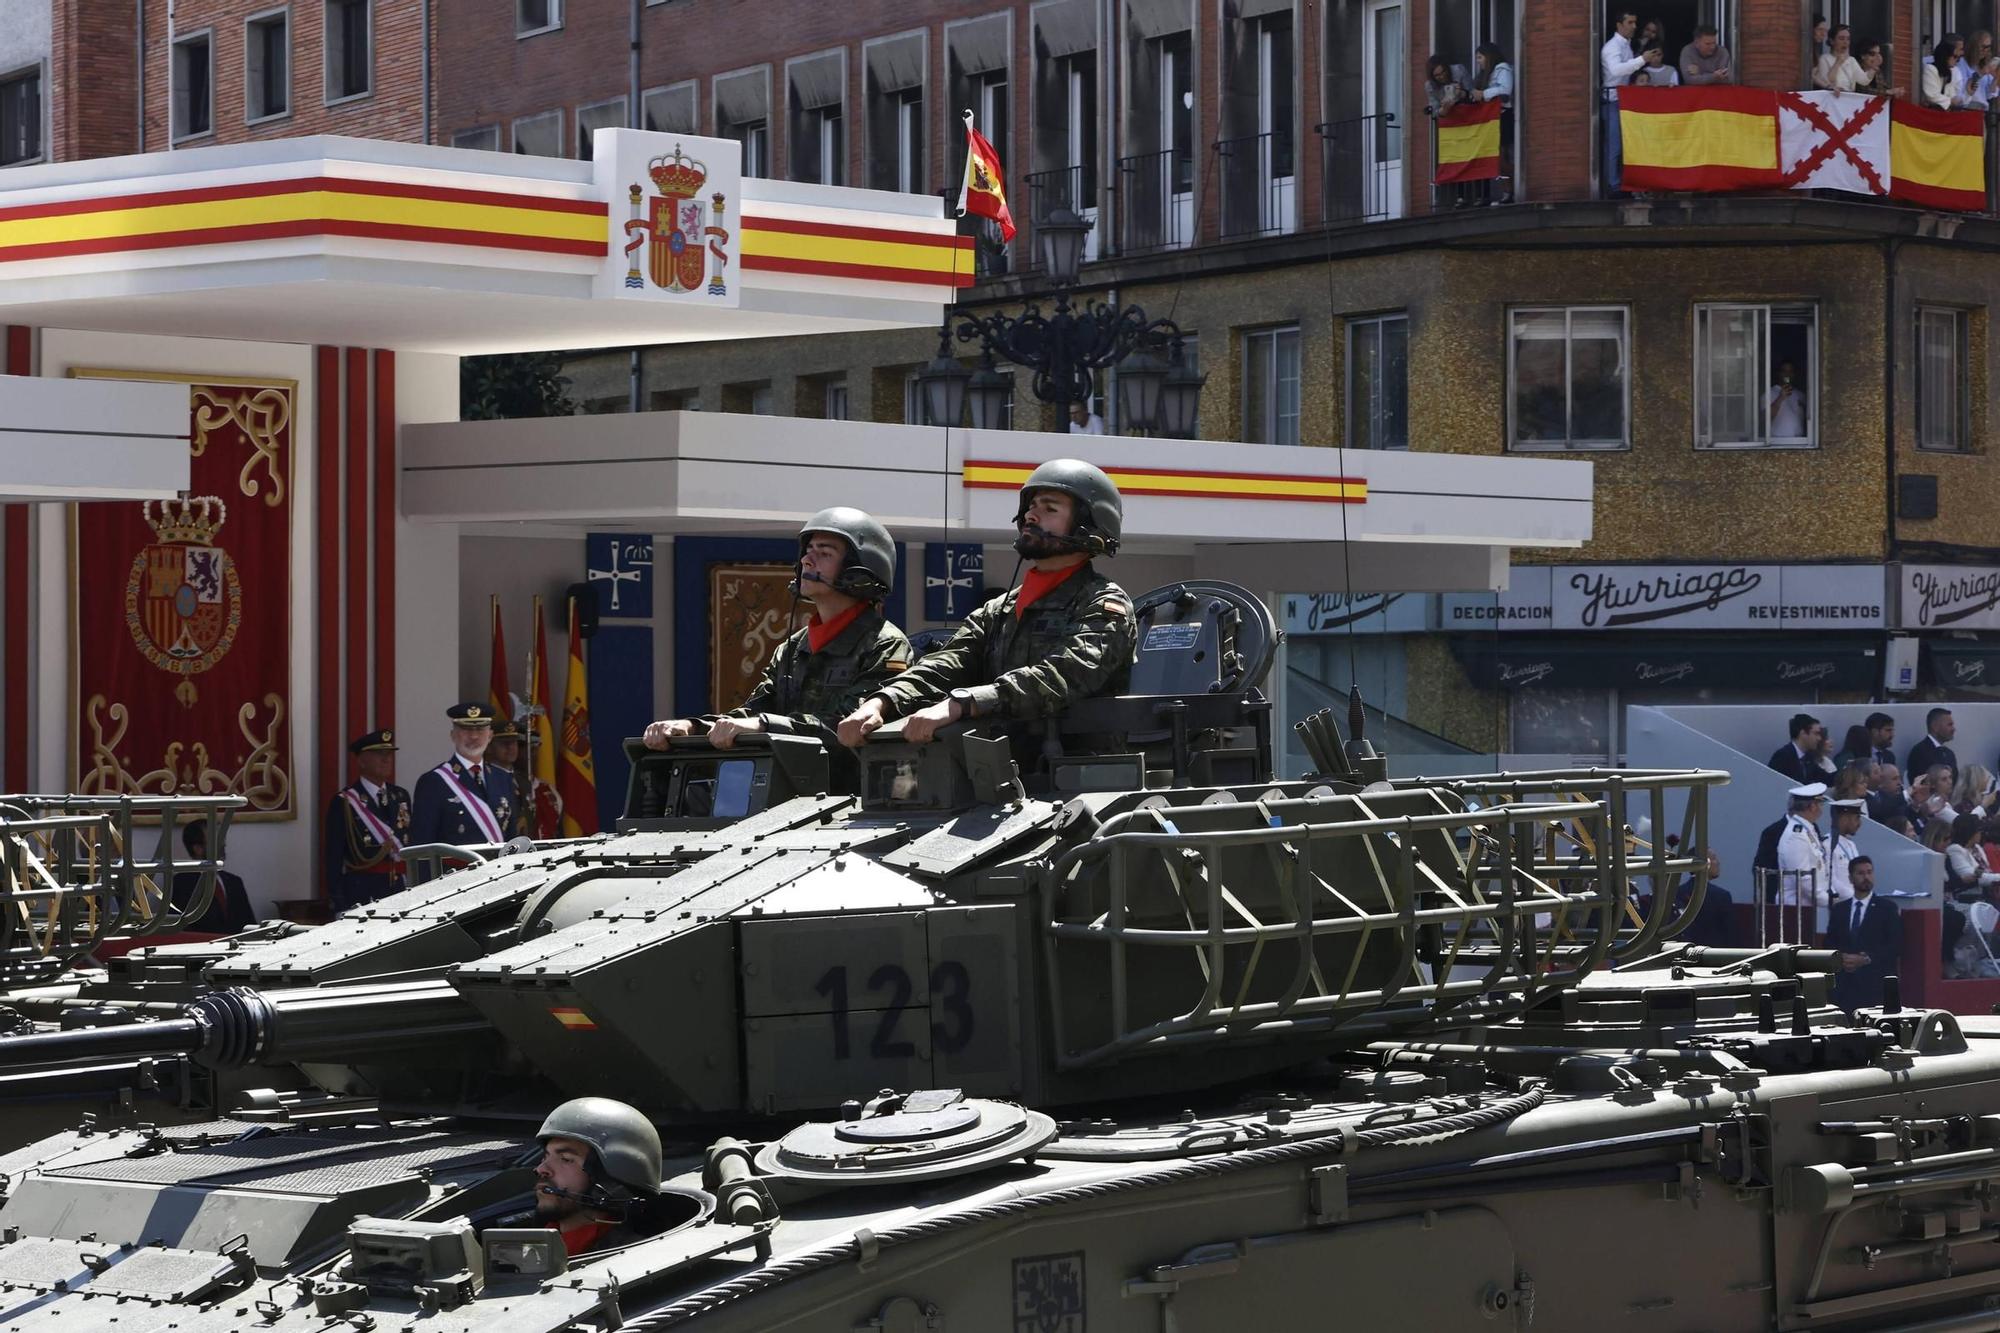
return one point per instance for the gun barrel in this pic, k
(234, 1028)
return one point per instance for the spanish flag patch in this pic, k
(572, 1018)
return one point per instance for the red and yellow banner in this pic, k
(836, 250)
(547, 809)
(984, 190)
(1937, 158)
(310, 206)
(1468, 143)
(182, 657)
(1709, 138)
(983, 474)
(576, 775)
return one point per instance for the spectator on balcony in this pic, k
(1617, 64)
(1804, 759)
(1785, 405)
(1871, 79)
(1935, 747)
(1650, 31)
(1493, 81)
(1977, 47)
(1943, 86)
(1975, 792)
(1656, 72)
(1984, 90)
(1820, 45)
(1445, 85)
(1083, 421)
(1837, 63)
(1705, 59)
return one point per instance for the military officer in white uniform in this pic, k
(1841, 850)
(1802, 852)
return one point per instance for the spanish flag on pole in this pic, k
(576, 778)
(541, 736)
(985, 189)
(499, 695)
(1937, 158)
(1468, 143)
(1710, 138)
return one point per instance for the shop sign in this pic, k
(1950, 597)
(1678, 597)
(1309, 613)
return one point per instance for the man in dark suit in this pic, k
(366, 825)
(1867, 933)
(465, 801)
(1803, 758)
(1881, 736)
(1935, 747)
(229, 907)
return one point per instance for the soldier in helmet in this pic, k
(847, 564)
(1065, 633)
(600, 1161)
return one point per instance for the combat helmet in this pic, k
(1100, 510)
(871, 564)
(625, 1148)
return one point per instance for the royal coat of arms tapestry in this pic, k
(182, 654)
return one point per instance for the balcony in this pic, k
(1259, 177)
(1361, 170)
(1156, 193)
(1072, 188)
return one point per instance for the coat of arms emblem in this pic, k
(680, 232)
(183, 600)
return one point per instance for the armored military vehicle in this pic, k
(1030, 1036)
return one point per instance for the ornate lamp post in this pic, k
(1158, 392)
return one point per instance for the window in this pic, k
(590, 119)
(893, 86)
(1271, 386)
(1755, 375)
(671, 110)
(539, 136)
(350, 58)
(835, 407)
(21, 117)
(1378, 382)
(194, 88)
(1566, 381)
(533, 16)
(1944, 399)
(817, 88)
(486, 138)
(743, 113)
(267, 65)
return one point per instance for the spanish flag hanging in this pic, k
(576, 777)
(499, 695)
(1468, 143)
(1710, 138)
(541, 736)
(1937, 158)
(985, 189)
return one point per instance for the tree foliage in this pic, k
(514, 384)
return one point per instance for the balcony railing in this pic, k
(1361, 177)
(1259, 176)
(1156, 199)
(1073, 188)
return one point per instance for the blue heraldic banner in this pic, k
(954, 579)
(619, 566)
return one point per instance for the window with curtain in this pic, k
(1271, 386)
(1756, 375)
(1944, 407)
(1567, 378)
(1378, 382)
(21, 117)
(194, 91)
(350, 54)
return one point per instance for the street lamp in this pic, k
(1064, 348)
(990, 393)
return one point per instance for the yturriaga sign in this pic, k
(1677, 597)
(1949, 597)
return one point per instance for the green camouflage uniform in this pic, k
(806, 693)
(1074, 643)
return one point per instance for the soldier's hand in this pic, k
(659, 733)
(856, 726)
(726, 729)
(920, 726)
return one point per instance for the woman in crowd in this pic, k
(1493, 81)
(1851, 783)
(1867, 65)
(1942, 88)
(1975, 792)
(1837, 60)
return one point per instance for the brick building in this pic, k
(1261, 168)
(80, 79)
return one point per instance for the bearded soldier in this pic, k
(1066, 633)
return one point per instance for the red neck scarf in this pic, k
(820, 633)
(1037, 584)
(578, 1240)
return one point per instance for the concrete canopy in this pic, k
(1263, 515)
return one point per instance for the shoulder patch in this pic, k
(896, 664)
(1116, 607)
